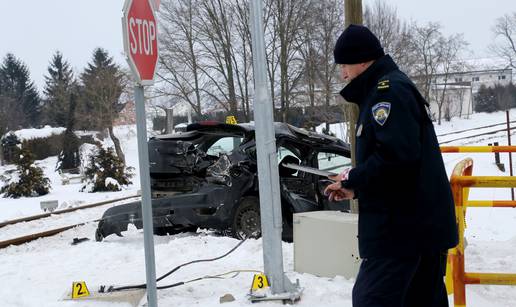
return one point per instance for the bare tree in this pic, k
(271, 47)
(242, 57)
(394, 34)
(206, 54)
(216, 38)
(309, 50)
(450, 62)
(179, 71)
(425, 42)
(505, 31)
(288, 17)
(330, 25)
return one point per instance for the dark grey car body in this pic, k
(192, 186)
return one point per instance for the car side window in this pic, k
(332, 162)
(224, 145)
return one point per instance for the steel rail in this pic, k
(475, 128)
(476, 135)
(35, 236)
(44, 215)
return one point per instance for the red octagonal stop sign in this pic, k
(141, 39)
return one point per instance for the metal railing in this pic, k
(461, 181)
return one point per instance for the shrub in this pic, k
(106, 172)
(30, 180)
(43, 148)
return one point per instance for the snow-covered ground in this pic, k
(68, 195)
(40, 272)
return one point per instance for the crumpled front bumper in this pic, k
(211, 208)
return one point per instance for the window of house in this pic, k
(475, 79)
(501, 77)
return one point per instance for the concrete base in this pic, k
(132, 297)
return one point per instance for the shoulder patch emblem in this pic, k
(381, 112)
(383, 84)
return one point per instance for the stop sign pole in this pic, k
(140, 34)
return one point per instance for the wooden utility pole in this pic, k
(169, 117)
(353, 12)
(353, 15)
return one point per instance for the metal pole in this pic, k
(509, 142)
(148, 232)
(268, 177)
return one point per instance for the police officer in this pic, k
(406, 211)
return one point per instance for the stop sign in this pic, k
(140, 39)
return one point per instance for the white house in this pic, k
(459, 88)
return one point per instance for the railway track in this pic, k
(465, 131)
(34, 236)
(475, 135)
(51, 232)
(475, 128)
(58, 212)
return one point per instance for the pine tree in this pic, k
(8, 145)
(103, 83)
(31, 180)
(69, 158)
(58, 84)
(485, 100)
(106, 172)
(15, 85)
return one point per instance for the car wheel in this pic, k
(246, 221)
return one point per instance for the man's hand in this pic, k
(335, 191)
(342, 176)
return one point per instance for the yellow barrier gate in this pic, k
(461, 181)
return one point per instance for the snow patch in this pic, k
(112, 181)
(33, 133)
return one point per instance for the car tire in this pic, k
(246, 220)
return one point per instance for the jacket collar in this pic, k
(358, 89)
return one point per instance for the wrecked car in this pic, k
(207, 177)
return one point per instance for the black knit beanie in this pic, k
(357, 44)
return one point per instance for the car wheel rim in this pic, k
(249, 224)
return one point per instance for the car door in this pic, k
(297, 188)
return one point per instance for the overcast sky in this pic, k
(34, 29)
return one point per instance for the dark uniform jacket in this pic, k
(405, 201)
